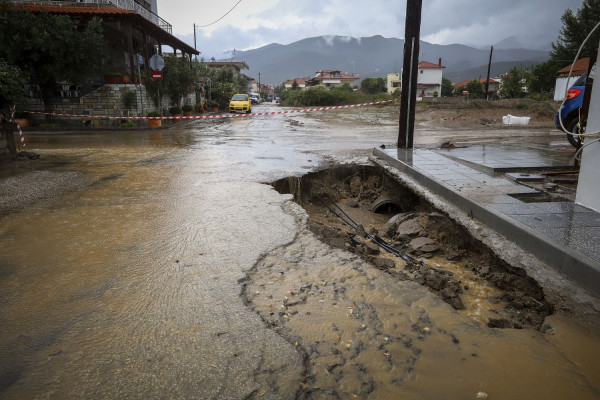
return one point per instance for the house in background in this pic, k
(237, 65)
(393, 82)
(579, 68)
(429, 79)
(301, 82)
(331, 78)
(493, 86)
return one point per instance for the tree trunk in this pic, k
(8, 132)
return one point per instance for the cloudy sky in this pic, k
(255, 23)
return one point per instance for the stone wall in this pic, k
(105, 100)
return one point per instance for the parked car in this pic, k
(255, 97)
(570, 111)
(241, 103)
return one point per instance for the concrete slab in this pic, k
(564, 235)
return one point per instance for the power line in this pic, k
(214, 22)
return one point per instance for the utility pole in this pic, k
(487, 81)
(195, 36)
(259, 95)
(412, 33)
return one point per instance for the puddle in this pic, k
(355, 207)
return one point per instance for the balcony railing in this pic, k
(125, 4)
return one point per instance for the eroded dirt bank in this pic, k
(354, 207)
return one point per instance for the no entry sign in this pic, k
(157, 75)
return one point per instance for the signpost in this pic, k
(140, 62)
(157, 75)
(156, 62)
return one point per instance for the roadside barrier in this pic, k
(215, 116)
(13, 109)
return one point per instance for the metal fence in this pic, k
(124, 4)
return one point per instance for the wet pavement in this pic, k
(561, 233)
(153, 266)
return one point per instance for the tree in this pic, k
(373, 85)
(475, 89)
(512, 83)
(447, 88)
(11, 91)
(543, 77)
(51, 48)
(576, 26)
(295, 85)
(178, 79)
(11, 87)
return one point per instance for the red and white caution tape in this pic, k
(216, 116)
(12, 116)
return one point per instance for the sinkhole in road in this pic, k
(364, 210)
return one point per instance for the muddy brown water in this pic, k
(161, 266)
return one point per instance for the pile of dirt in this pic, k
(481, 113)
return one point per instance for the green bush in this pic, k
(187, 108)
(129, 99)
(153, 114)
(521, 105)
(174, 110)
(319, 96)
(128, 124)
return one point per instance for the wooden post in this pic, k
(487, 81)
(412, 33)
(131, 71)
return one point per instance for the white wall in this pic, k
(430, 76)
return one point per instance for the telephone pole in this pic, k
(412, 33)
(487, 81)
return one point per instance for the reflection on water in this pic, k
(127, 283)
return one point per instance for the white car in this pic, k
(255, 98)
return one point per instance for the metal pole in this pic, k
(409, 73)
(140, 83)
(487, 81)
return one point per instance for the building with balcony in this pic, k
(133, 32)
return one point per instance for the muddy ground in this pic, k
(361, 209)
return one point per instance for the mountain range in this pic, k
(377, 56)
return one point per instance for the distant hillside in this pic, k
(374, 56)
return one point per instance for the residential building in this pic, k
(131, 27)
(133, 31)
(493, 85)
(237, 65)
(429, 79)
(331, 78)
(301, 82)
(579, 68)
(394, 81)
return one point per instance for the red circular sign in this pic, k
(157, 75)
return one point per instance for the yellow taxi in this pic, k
(241, 103)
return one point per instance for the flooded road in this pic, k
(166, 268)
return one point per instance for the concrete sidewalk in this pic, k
(564, 235)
